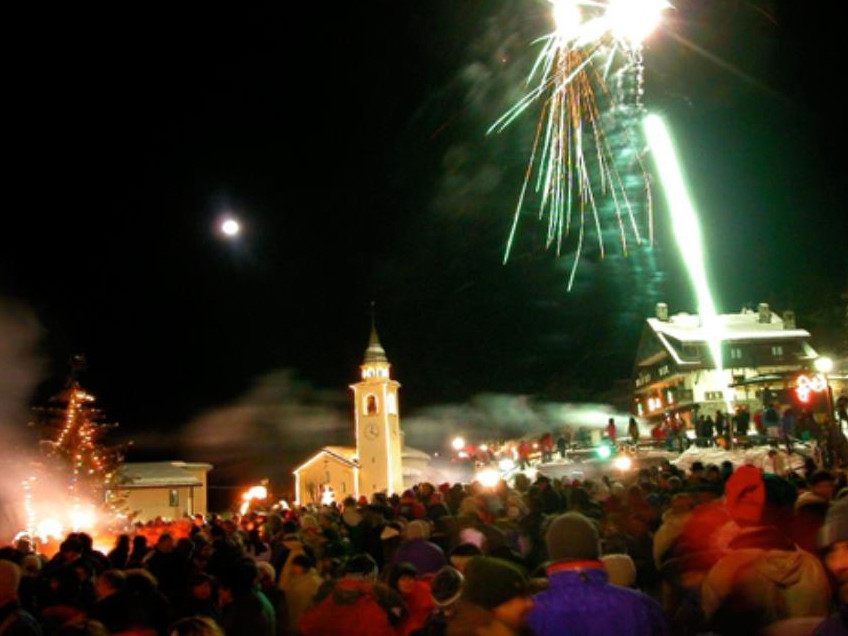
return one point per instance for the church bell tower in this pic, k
(377, 418)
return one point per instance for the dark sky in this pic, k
(350, 139)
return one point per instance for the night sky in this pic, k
(350, 140)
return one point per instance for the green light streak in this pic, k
(687, 232)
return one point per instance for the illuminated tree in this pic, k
(72, 432)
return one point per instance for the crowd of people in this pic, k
(717, 549)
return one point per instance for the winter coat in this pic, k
(760, 587)
(295, 548)
(250, 613)
(300, 592)
(353, 608)
(16, 621)
(419, 604)
(473, 620)
(581, 600)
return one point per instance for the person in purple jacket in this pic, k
(426, 556)
(580, 599)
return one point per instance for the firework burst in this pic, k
(574, 167)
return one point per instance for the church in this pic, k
(379, 462)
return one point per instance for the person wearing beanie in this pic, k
(445, 590)
(355, 605)
(833, 546)
(244, 609)
(495, 599)
(13, 618)
(745, 496)
(763, 580)
(580, 594)
(300, 588)
(811, 508)
(267, 580)
(415, 593)
(462, 554)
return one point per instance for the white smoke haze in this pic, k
(21, 371)
(281, 421)
(502, 416)
(274, 426)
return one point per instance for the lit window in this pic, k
(735, 353)
(777, 351)
(391, 404)
(174, 498)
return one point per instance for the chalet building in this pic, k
(763, 357)
(167, 490)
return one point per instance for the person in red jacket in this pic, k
(416, 597)
(355, 605)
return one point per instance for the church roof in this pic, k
(374, 352)
(345, 454)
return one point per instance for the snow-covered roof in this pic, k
(160, 474)
(742, 326)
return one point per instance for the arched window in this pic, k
(371, 405)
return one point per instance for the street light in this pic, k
(824, 365)
(458, 443)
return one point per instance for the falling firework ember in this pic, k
(585, 146)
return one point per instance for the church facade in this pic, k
(376, 462)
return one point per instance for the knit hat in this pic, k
(572, 537)
(835, 526)
(820, 476)
(491, 582)
(361, 566)
(446, 586)
(745, 495)
(620, 568)
(418, 529)
(402, 569)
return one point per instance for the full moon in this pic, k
(230, 227)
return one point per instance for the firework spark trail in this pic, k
(687, 233)
(570, 162)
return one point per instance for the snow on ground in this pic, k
(588, 466)
(756, 456)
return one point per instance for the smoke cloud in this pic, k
(282, 420)
(21, 370)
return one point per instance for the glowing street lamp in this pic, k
(458, 443)
(824, 365)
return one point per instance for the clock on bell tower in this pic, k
(379, 441)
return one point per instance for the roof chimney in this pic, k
(789, 320)
(662, 312)
(764, 313)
